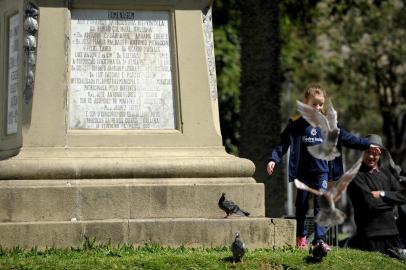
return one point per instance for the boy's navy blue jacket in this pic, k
(291, 137)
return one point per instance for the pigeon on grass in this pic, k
(329, 215)
(238, 248)
(319, 250)
(399, 253)
(328, 124)
(230, 207)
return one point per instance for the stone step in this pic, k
(99, 199)
(173, 232)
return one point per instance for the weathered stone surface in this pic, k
(56, 200)
(173, 232)
(95, 167)
(121, 70)
(24, 204)
(284, 232)
(12, 78)
(41, 234)
(68, 182)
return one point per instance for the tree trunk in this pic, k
(260, 95)
(394, 130)
(393, 113)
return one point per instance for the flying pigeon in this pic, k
(319, 250)
(238, 248)
(329, 215)
(230, 207)
(328, 124)
(396, 170)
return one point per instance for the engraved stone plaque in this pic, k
(12, 94)
(120, 70)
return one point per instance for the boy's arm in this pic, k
(352, 141)
(280, 150)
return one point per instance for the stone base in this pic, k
(188, 232)
(170, 212)
(60, 197)
(100, 199)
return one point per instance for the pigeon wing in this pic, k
(326, 150)
(314, 117)
(241, 212)
(326, 200)
(329, 218)
(346, 179)
(303, 186)
(331, 115)
(229, 205)
(328, 125)
(329, 215)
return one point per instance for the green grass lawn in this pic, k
(155, 257)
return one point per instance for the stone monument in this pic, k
(109, 129)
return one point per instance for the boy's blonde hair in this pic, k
(314, 89)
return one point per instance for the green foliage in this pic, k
(227, 51)
(357, 50)
(89, 243)
(157, 257)
(368, 43)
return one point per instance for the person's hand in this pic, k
(270, 167)
(375, 149)
(376, 194)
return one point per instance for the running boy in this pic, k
(298, 135)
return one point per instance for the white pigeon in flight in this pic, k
(329, 215)
(328, 124)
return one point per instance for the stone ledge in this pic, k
(106, 167)
(96, 199)
(193, 232)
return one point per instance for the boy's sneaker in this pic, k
(301, 242)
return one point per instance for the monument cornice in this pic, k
(116, 164)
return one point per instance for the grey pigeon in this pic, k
(319, 250)
(230, 207)
(399, 253)
(329, 215)
(238, 248)
(395, 169)
(328, 124)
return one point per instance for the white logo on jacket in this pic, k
(311, 139)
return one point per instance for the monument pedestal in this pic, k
(119, 138)
(167, 199)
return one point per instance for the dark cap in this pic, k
(375, 139)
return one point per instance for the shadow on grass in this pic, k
(312, 260)
(229, 260)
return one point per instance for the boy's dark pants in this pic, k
(316, 181)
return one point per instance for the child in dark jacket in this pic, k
(297, 136)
